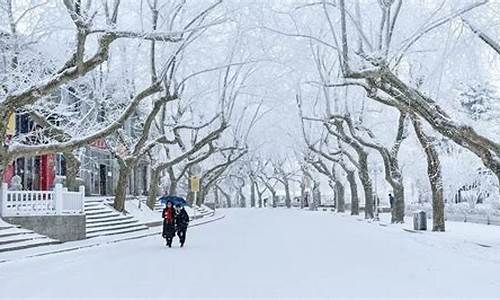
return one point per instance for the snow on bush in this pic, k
(477, 100)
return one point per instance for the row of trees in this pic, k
(386, 95)
(351, 58)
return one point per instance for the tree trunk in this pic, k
(216, 198)
(434, 173)
(172, 186)
(199, 197)
(228, 200)
(252, 193)
(316, 197)
(288, 199)
(274, 199)
(260, 196)
(72, 171)
(367, 185)
(153, 187)
(354, 193)
(339, 192)
(302, 195)
(121, 188)
(398, 211)
(362, 164)
(394, 177)
(243, 199)
(3, 164)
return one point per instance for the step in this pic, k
(95, 209)
(13, 231)
(94, 201)
(115, 232)
(20, 238)
(103, 217)
(90, 205)
(102, 212)
(111, 223)
(114, 227)
(28, 244)
(104, 220)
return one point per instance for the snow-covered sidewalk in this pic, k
(267, 253)
(460, 232)
(94, 242)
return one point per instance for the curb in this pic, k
(106, 242)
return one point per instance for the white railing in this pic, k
(73, 203)
(35, 203)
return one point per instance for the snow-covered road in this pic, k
(265, 252)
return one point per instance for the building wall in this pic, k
(62, 228)
(97, 171)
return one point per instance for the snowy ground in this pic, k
(267, 252)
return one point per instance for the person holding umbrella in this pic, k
(169, 223)
(182, 222)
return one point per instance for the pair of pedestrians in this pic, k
(175, 220)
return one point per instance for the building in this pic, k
(37, 172)
(98, 169)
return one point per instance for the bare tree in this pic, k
(434, 174)
(333, 179)
(383, 85)
(77, 66)
(393, 174)
(269, 180)
(283, 176)
(362, 161)
(211, 176)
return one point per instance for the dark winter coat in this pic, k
(168, 223)
(391, 201)
(182, 220)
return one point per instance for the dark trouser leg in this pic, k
(169, 241)
(182, 236)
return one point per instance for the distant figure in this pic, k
(181, 222)
(391, 200)
(265, 202)
(169, 223)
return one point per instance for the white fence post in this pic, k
(81, 189)
(3, 197)
(58, 198)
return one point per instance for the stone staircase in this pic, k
(203, 211)
(194, 212)
(103, 220)
(15, 238)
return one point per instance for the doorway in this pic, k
(102, 180)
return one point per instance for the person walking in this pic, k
(169, 223)
(181, 222)
(391, 201)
